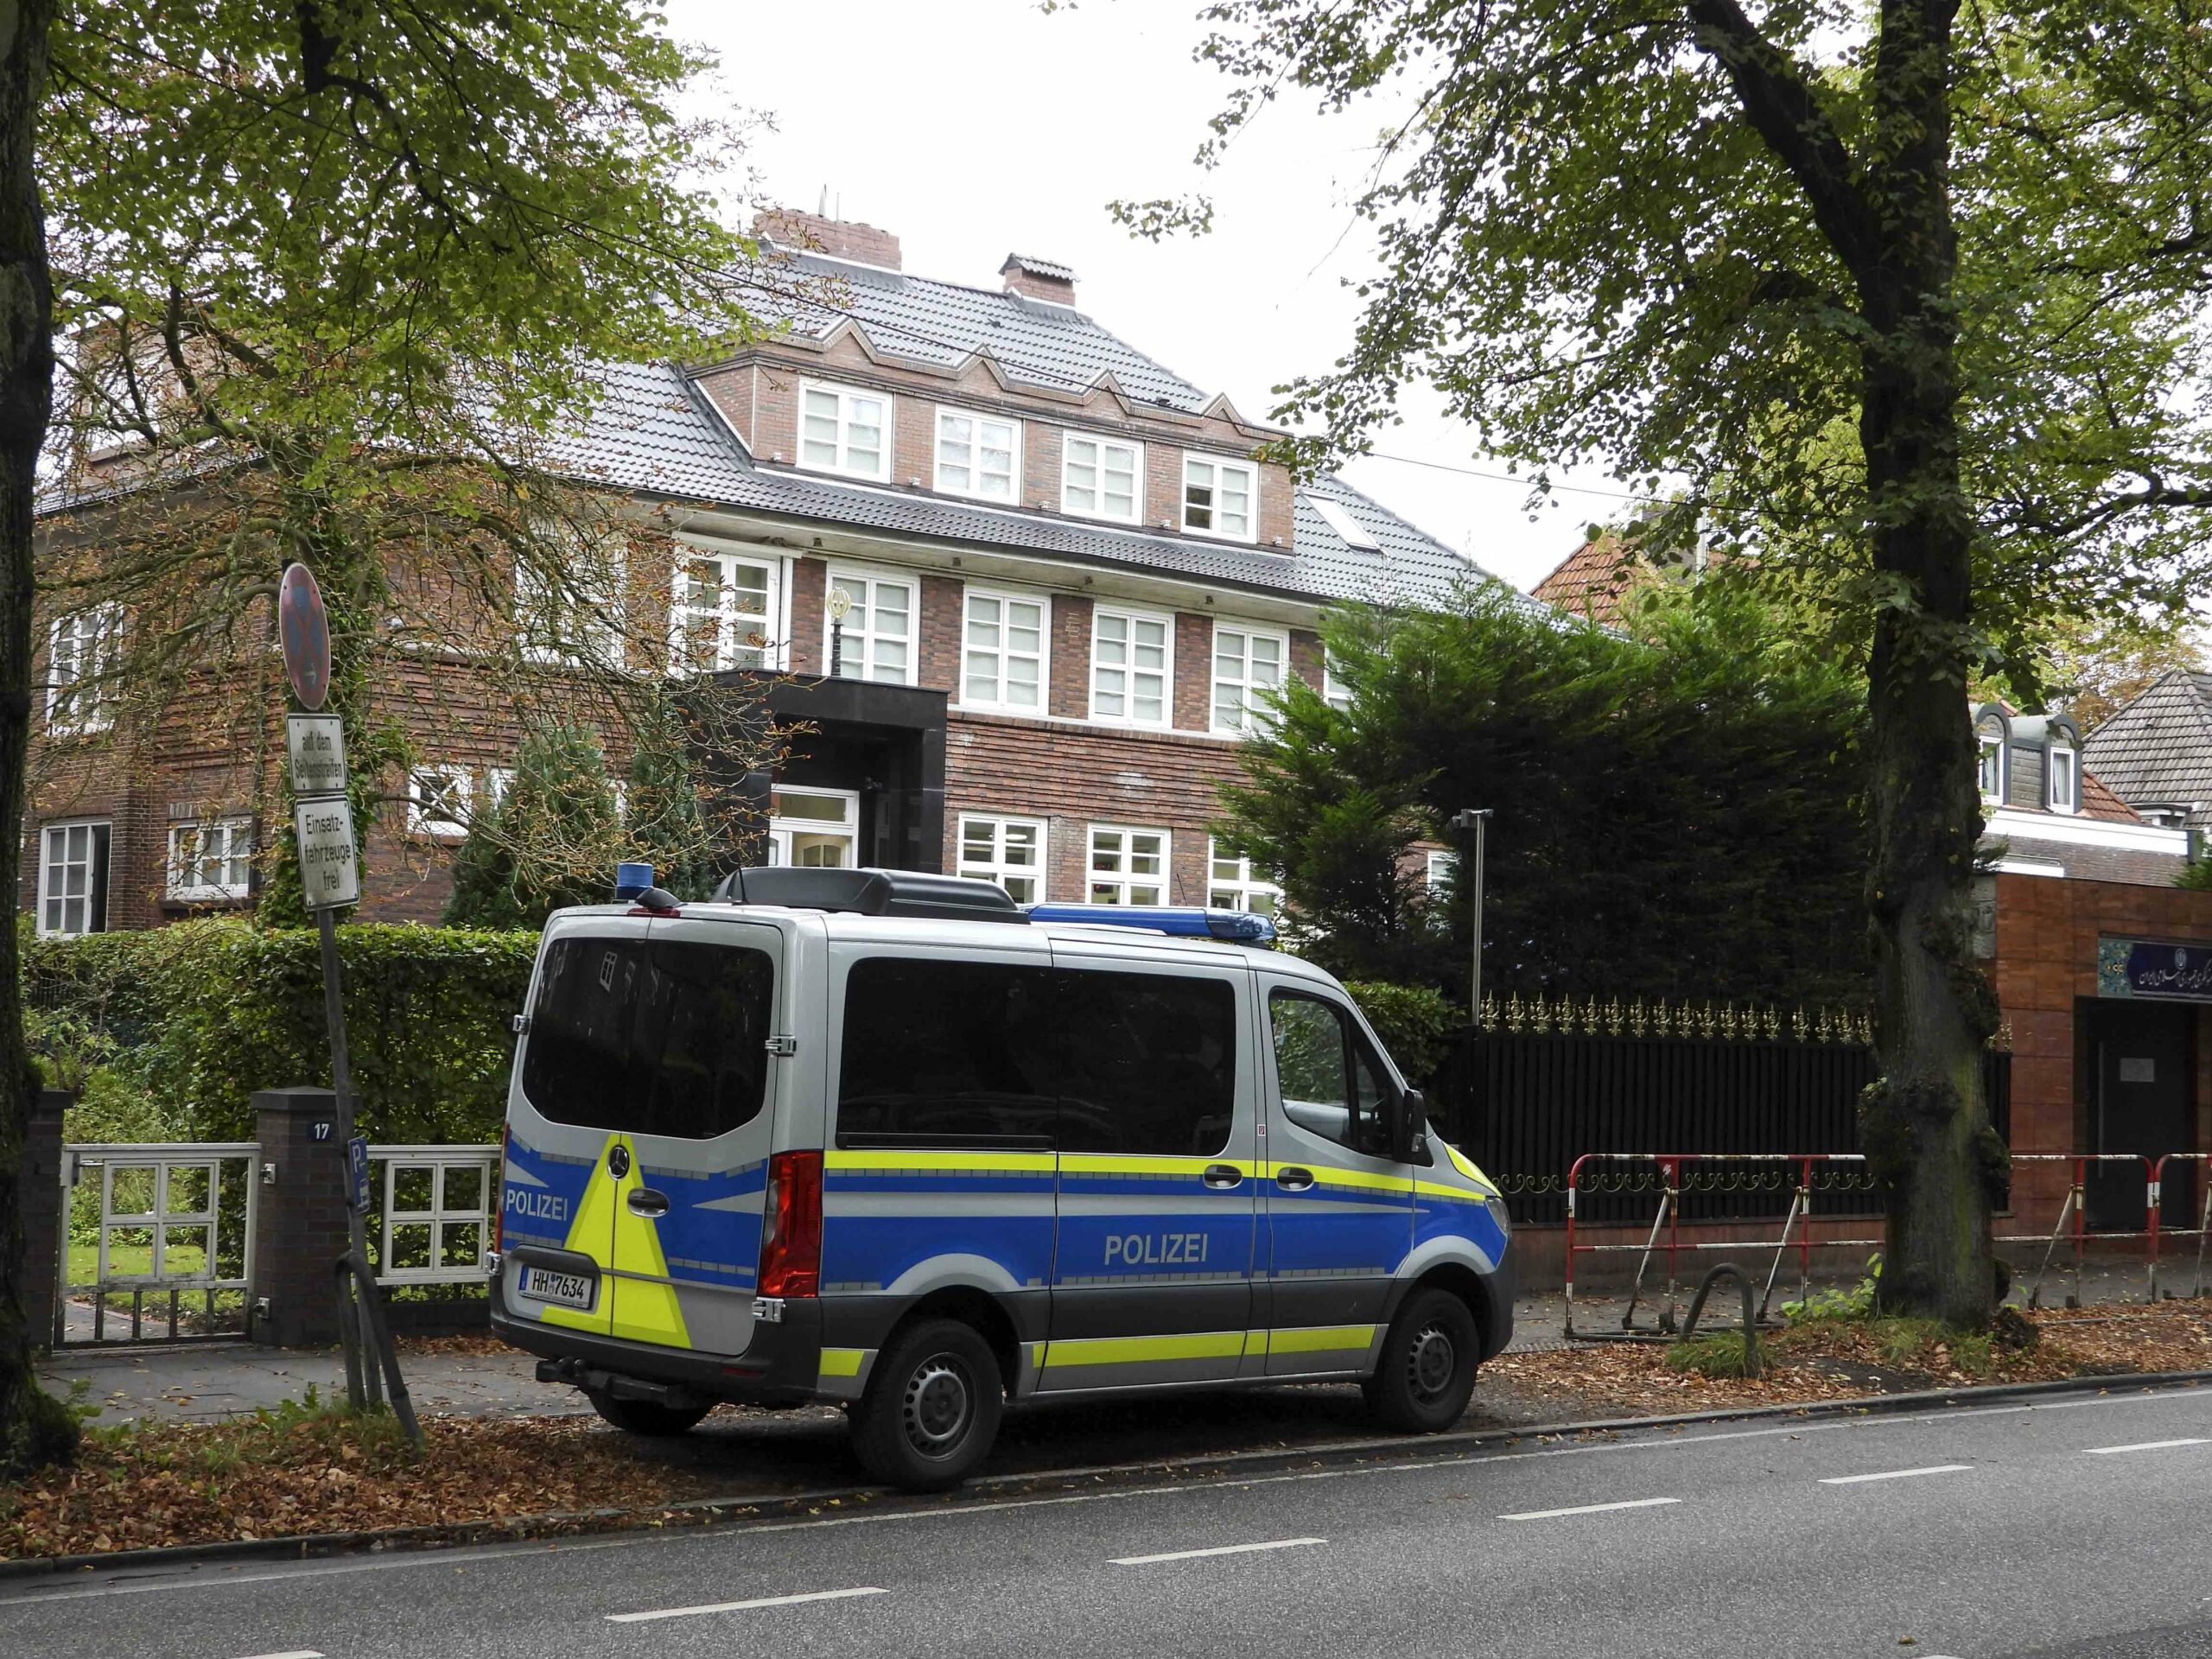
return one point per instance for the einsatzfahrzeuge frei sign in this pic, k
(330, 867)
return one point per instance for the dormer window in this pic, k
(2063, 772)
(1101, 479)
(1219, 498)
(1993, 731)
(977, 456)
(1993, 769)
(844, 431)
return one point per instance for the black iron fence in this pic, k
(1526, 1104)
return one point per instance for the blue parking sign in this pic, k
(357, 1166)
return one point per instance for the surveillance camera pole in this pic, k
(1476, 820)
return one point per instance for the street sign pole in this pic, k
(330, 879)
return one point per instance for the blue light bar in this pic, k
(632, 879)
(1184, 921)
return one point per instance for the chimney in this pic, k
(1040, 279)
(840, 239)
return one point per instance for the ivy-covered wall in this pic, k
(170, 1030)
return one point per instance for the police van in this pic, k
(886, 1139)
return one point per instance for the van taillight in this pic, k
(499, 1190)
(790, 1233)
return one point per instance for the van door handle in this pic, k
(1224, 1177)
(1291, 1179)
(644, 1201)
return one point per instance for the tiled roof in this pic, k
(1592, 581)
(943, 325)
(2158, 748)
(1051, 269)
(653, 431)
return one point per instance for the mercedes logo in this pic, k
(618, 1162)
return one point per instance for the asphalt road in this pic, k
(2076, 1527)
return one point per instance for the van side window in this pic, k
(1330, 1083)
(1150, 1063)
(943, 1051)
(657, 1037)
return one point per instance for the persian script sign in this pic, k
(2151, 968)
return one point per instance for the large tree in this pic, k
(333, 279)
(1912, 294)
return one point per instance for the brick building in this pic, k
(1024, 585)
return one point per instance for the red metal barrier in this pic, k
(1669, 1167)
(1666, 1177)
(2072, 1208)
(2203, 1228)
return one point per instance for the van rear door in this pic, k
(641, 1103)
(564, 1163)
(687, 1231)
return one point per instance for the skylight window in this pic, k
(1339, 518)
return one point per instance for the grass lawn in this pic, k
(126, 1260)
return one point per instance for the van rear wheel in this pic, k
(1428, 1364)
(645, 1417)
(931, 1408)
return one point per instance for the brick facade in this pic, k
(2046, 974)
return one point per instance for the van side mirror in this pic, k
(1407, 1118)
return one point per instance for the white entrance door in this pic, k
(815, 828)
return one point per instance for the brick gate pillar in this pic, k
(46, 1214)
(299, 1226)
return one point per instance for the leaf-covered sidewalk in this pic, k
(297, 1471)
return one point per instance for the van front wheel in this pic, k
(1428, 1364)
(931, 1408)
(645, 1417)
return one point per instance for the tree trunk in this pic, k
(1925, 1122)
(33, 1428)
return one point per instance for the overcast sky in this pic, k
(974, 128)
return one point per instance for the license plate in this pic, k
(569, 1289)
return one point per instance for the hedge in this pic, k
(201, 1015)
(1413, 1021)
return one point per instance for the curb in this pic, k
(764, 1507)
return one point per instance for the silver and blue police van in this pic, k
(887, 1140)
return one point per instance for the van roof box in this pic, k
(871, 893)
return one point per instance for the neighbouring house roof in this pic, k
(655, 431)
(2158, 749)
(1593, 579)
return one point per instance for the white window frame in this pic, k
(1123, 878)
(841, 465)
(1990, 746)
(1012, 494)
(46, 867)
(731, 632)
(1251, 719)
(1439, 870)
(1334, 691)
(997, 868)
(864, 640)
(2070, 803)
(847, 824)
(84, 702)
(498, 780)
(421, 820)
(1128, 669)
(186, 864)
(577, 627)
(1215, 465)
(1240, 884)
(1002, 598)
(1136, 514)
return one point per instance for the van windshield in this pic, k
(650, 1037)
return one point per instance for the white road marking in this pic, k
(1219, 1550)
(1896, 1474)
(743, 1606)
(1664, 1437)
(1591, 1508)
(2144, 1445)
(289, 1653)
